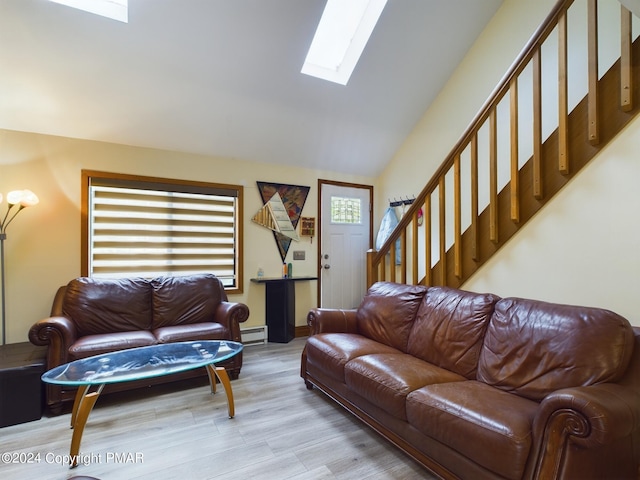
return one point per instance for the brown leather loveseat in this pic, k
(91, 316)
(474, 386)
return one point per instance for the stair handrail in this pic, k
(375, 259)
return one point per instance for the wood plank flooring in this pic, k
(181, 432)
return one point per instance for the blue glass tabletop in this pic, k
(143, 362)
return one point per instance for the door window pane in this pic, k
(346, 210)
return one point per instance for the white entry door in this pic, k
(345, 238)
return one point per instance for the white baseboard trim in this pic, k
(254, 335)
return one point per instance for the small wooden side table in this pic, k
(21, 389)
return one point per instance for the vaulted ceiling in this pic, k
(222, 77)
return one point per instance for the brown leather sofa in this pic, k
(474, 386)
(91, 316)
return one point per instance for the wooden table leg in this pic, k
(212, 378)
(82, 391)
(221, 374)
(82, 406)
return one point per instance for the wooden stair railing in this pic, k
(611, 102)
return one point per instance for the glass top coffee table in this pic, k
(138, 364)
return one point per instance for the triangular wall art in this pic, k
(281, 201)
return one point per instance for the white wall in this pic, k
(582, 248)
(43, 244)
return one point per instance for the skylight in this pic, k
(342, 34)
(114, 9)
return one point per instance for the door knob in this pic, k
(327, 266)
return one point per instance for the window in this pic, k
(342, 34)
(114, 9)
(147, 227)
(346, 210)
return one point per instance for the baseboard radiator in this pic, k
(254, 335)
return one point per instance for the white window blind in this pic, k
(148, 229)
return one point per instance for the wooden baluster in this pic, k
(515, 168)
(457, 198)
(428, 277)
(475, 250)
(414, 249)
(403, 256)
(563, 109)
(537, 124)
(592, 41)
(442, 227)
(392, 262)
(626, 68)
(493, 176)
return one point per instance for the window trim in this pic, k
(88, 175)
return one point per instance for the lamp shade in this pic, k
(14, 197)
(29, 199)
(26, 198)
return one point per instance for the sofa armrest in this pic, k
(593, 415)
(589, 417)
(231, 315)
(324, 320)
(58, 333)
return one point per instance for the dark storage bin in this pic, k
(21, 389)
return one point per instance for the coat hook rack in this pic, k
(401, 202)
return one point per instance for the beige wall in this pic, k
(43, 245)
(583, 247)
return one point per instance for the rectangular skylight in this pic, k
(342, 34)
(114, 9)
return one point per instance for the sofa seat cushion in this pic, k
(196, 331)
(386, 379)
(109, 342)
(330, 352)
(465, 415)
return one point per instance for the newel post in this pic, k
(372, 271)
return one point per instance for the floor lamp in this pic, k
(16, 201)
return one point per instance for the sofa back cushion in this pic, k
(99, 306)
(186, 300)
(533, 348)
(387, 312)
(449, 329)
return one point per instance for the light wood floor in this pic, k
(281, 431)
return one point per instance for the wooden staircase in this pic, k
(436, 246)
